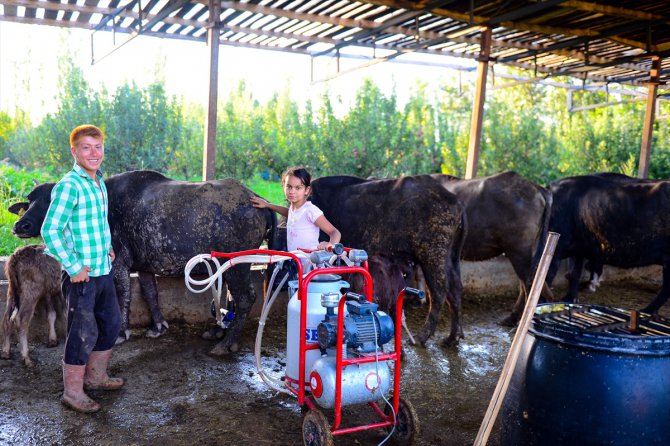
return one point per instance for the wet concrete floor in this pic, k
(178, 395)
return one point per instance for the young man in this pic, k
(76, 233)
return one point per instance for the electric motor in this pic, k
(365, 328)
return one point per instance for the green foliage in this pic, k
(15, 184)
(268, 189)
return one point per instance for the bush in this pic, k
(15, 184)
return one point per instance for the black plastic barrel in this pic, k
(583, 378)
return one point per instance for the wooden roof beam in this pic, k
(615, 11)
(571, 42)
(525, 11)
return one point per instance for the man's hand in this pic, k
(112, 255)
(82, 276)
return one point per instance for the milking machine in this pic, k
(335, 343)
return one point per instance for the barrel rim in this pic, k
(603, 341)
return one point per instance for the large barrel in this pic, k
(586, 377)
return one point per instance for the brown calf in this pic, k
(33, 277)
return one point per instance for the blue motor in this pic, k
(365, 328)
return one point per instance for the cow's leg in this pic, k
(522, 268)
(217, 331)
(573, 276)
(436, 274)
(150, 292)
(663, 294)
(51, 302)
(239, 285)
(122, 283)
(22, 322)
(512, 319)
(454, 295)
(6, 332)
(596, 271)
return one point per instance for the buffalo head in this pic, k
(34, 211)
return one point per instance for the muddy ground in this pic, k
(176, 394)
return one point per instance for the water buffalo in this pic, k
(614, 221)
(507, 214)
(33, 278)
(158, 224)
(410, 219)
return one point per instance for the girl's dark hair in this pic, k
(298, 172)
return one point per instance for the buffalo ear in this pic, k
(17, 208)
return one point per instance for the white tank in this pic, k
(361, 383)
(323, 283)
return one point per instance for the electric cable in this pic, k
(374, 327)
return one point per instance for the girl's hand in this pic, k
(323, 246)
(258, 202)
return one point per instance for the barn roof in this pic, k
(603, 41)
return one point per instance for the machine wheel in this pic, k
(407, 426)
(316, 429)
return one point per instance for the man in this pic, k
(76, 233)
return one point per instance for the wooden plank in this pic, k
(517, 343)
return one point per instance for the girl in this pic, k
(304, 220)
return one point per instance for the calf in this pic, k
(33, 277)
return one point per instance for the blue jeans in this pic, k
(93, 317)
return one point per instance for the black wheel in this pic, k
(407, 425)
(316, 430)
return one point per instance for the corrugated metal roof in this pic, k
(608, 41)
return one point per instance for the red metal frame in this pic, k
(303, 284)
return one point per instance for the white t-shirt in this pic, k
(301, 231)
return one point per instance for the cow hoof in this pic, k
(123, 337)
(5, 355)
(222, 349)
(28, 362)
(214, 333)
(450, 342)
(157, 331)
(52, 343)
(509, 321)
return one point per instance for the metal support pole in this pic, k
(213, 32)
(648, 129)
(478, 105)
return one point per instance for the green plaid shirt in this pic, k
(75, 230)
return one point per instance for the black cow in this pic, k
(611, 220)
(507, 214)
(158, 224)
(410, 219)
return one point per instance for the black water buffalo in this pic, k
(410, 219)
(613, 220)
(158, 224)
(507, 214)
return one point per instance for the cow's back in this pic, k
(388, 216)
(163, 222)
(621, 222)
(496, 203)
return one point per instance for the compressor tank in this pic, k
(322, 283)
(361, 383)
